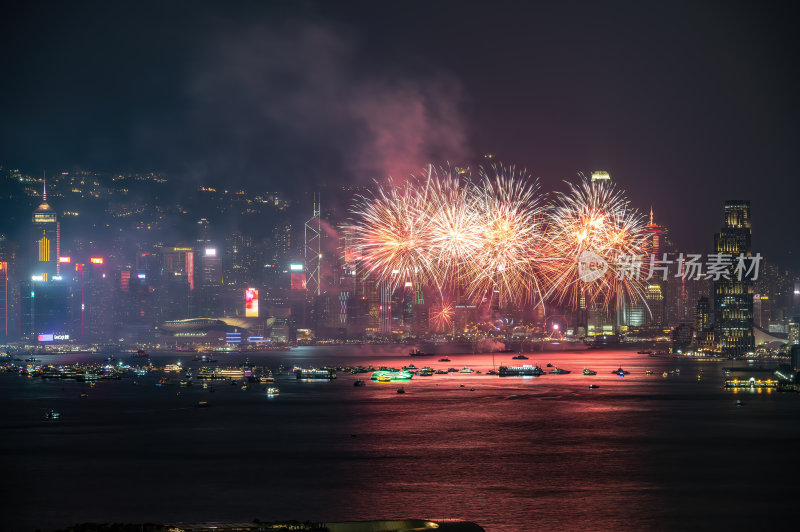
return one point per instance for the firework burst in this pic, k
(593, 222)
(509, 232)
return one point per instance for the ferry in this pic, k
(314, 373)
(389, 376)
(520, 371)
(587, 371)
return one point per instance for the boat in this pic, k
(465, 369)
(314, 373)
(620, 371)
(520, 371)
(665, 374)
(410, 366)
(273, 391)
(52, 414)
(202, 404)
(559, 371)
(141, 354)
(389, 376)
(644, 352)
(587, 371)
(401, 390)
(602, 340)
(445, 359)
(593, 386)
(520, 357)
(648, 372)
(549, 365)
(418, 353)
(84, 395)
(359, 382)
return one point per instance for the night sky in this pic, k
(686, 104)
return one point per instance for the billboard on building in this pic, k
(298, 281)
(251, 303)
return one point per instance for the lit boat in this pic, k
(620, 371)
(520, 371)
(52, 414)
(389, 376)
(273, 391)
(465, 369)
(648, 372)
(315, 373)
(593, 386)
(587, 371)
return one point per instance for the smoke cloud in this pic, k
(302, 103)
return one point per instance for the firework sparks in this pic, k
(492, 239)
(441, 317)
(593, 221)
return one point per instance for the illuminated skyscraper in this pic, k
(46, 237)
(733, 299)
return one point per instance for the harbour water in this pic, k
(640, 452)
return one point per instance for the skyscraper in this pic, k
(46, 239)
(733, 298)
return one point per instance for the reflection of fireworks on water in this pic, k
(593, 219)
(442, 317)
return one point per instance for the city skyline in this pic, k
(553, 90)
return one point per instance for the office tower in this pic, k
(96, 287)
(46, 240)
(733, 298)
(703, 324)
(3, 300)
(178, 262)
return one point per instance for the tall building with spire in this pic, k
(46, 240)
